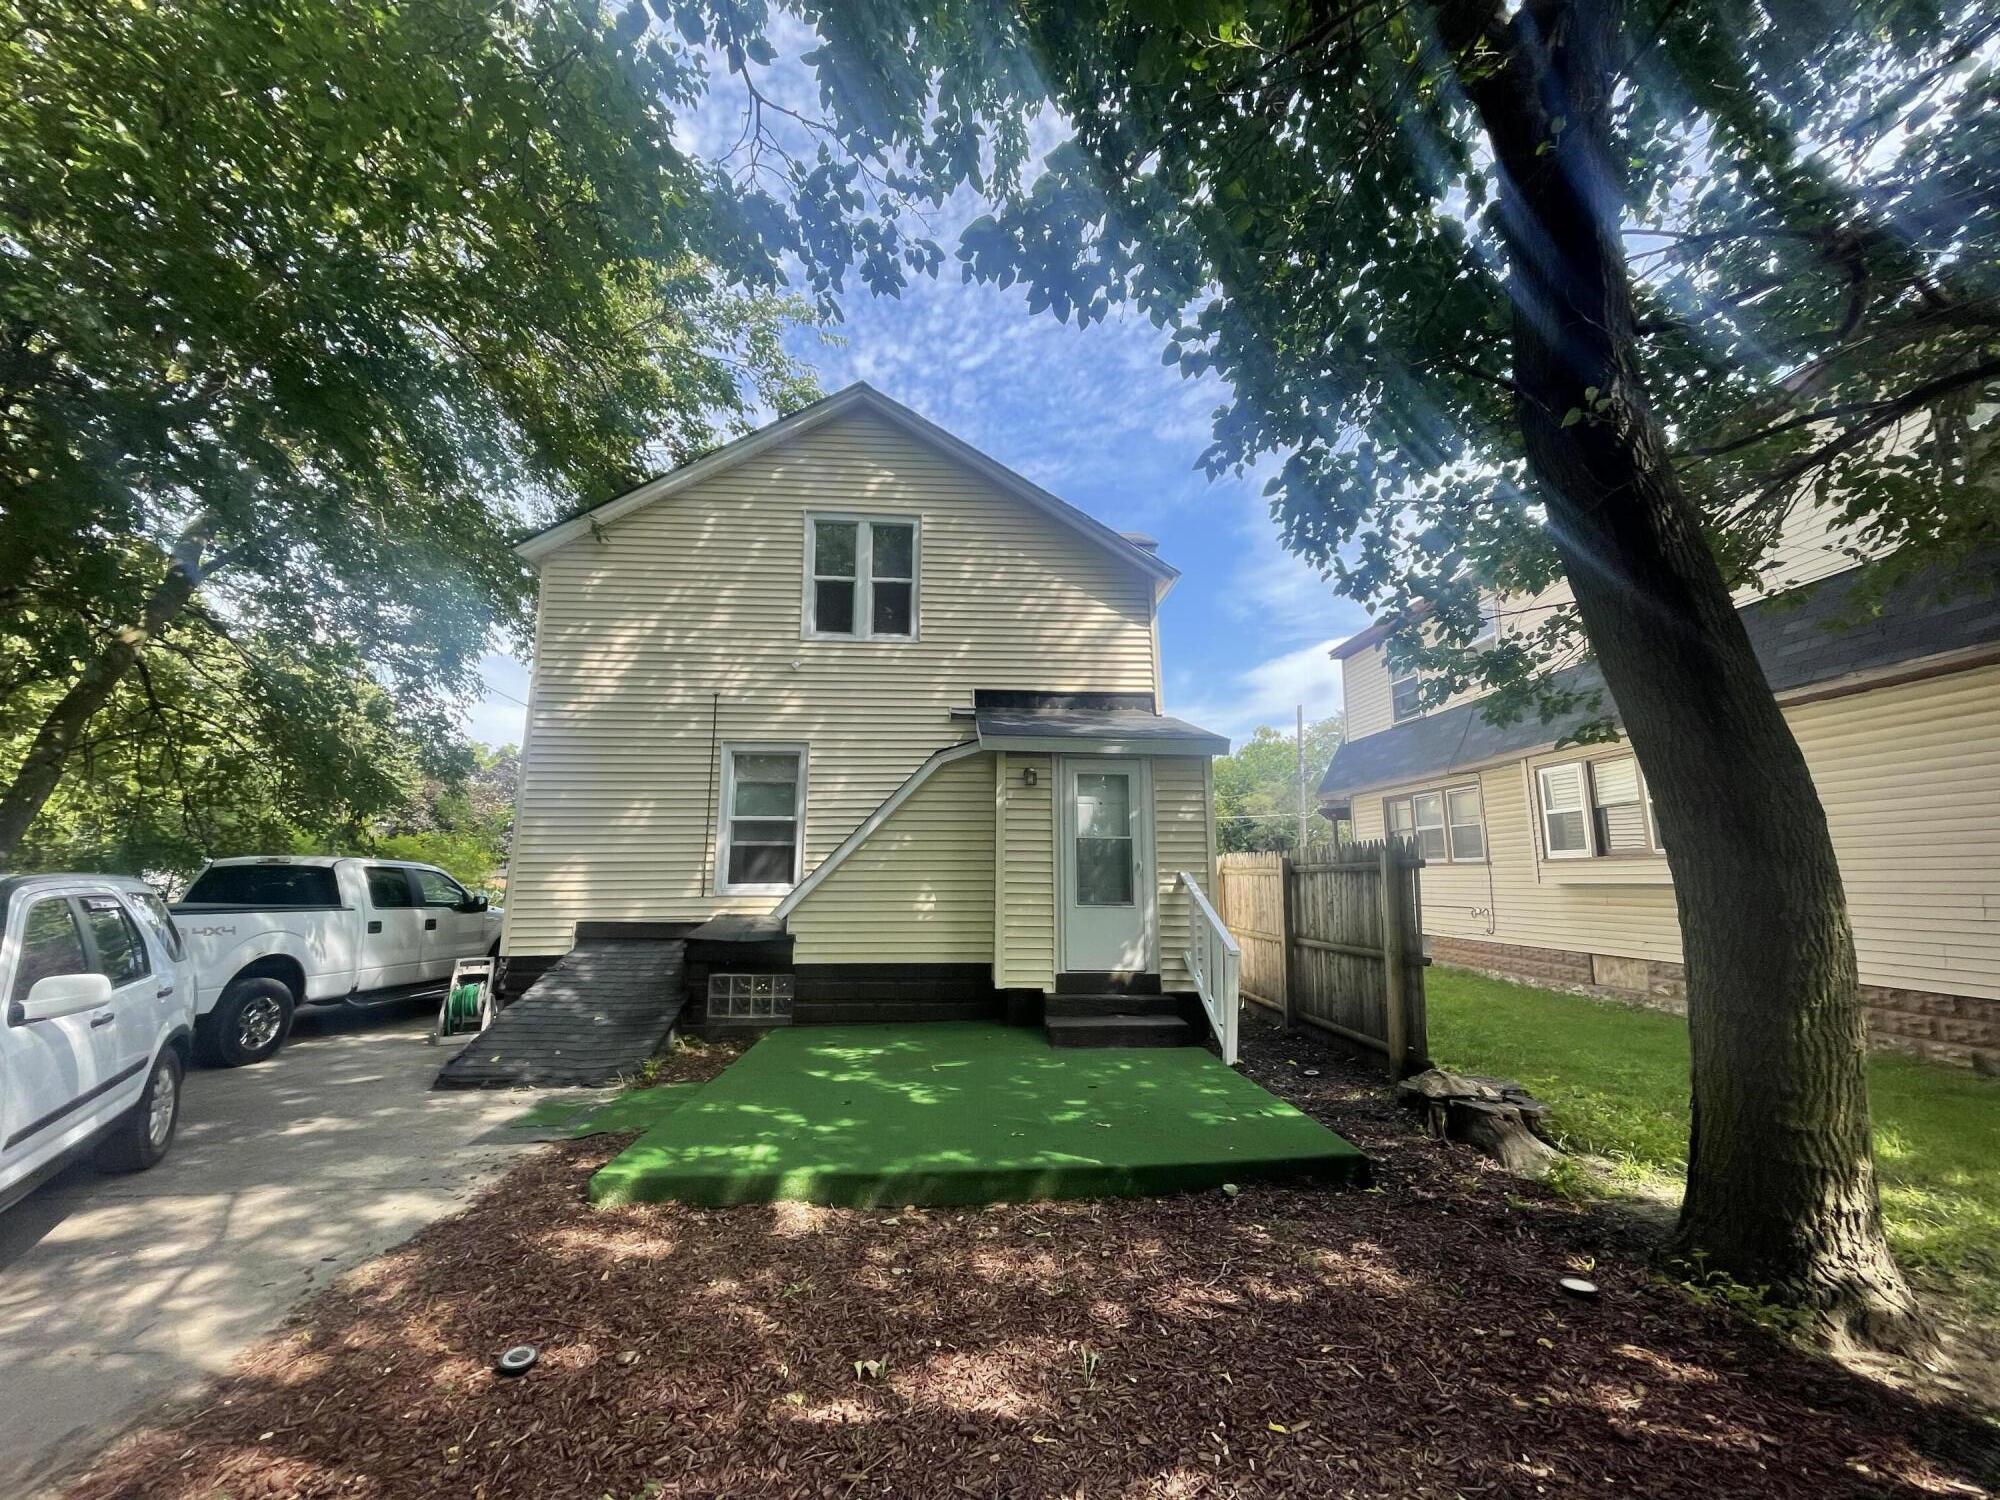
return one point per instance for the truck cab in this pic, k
(272, 934)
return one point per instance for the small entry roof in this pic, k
(1130, 731)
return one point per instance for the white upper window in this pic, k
(861, 577)
(761, 834)
(1405, 696)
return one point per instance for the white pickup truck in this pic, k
(269, 935)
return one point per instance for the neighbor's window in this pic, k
(1468, 829)
(1404, 701)
(1596, 808)
(1620, 807)
(1447, 824)
(1565, 825)
(763, 816)
(861, 577)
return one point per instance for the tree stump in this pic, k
(1492, 1115)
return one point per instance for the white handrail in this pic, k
(1214, 959)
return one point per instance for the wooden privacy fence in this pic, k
(1334, 941)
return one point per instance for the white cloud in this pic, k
(1270, 693)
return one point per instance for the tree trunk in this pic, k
(1781, 1188)
(41, 769)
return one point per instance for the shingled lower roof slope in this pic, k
(1798, 637)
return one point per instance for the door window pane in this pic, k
(50, 945)
(389, 886)
(121, 952)
(1103, 872)
(435, 889)
(1104, 804)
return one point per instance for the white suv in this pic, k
(97, 1005)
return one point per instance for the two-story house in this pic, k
(1545, 863)
(887, 706)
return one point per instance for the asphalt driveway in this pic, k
(117, 1293)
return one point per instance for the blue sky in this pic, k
(1094, 417)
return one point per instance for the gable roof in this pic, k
(1801, 640)
(857, 397)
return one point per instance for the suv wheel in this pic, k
(142, 1136)
(249, 1022)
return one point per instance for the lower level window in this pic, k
(1447, 825)
(763, 817)
(750, 997)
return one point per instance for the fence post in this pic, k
(1394, 1016)
(1287, 931)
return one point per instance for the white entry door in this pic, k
(1106, 865)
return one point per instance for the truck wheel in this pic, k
(143, 1132)
(248, 1024)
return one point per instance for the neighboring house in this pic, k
(887, 705)
(1546, 864)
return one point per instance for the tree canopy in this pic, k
(306, 312)
(1587, 293)
(1257, 792)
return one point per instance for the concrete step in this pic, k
(1118, 1031)
(1112, 1005)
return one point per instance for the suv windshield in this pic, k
(264, 886)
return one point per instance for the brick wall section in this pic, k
(1961, 1029)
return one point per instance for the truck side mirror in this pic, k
(474, 903)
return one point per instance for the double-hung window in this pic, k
(761, 837)
(1405, 696)
(861, 578)
(1595, 808)
(1447, 824)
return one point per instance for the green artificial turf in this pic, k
(635, 1109)
(966, 1112)
(1617, 1076)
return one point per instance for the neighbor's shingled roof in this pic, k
(1798, 637)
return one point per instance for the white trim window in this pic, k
(760, 842)
(1565, 819)
(1405, 695)
(1448, 824)
(862, 574)
(1596, 809)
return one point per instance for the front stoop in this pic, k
(1117, 1021)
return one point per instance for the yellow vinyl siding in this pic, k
(1183, 838)
(919, 889)
(1364, 692)
(1910, 779)
(1026, 958)
(699, 594)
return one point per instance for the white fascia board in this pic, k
(874, 821)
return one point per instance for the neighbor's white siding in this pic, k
(680, 625)
(919, 889)
(1910, 779)
(1809, 547)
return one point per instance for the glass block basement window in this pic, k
(750, 997)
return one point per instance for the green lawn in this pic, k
(1617, 1077)
(966, 1112)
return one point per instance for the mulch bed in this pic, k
(1408, 1340)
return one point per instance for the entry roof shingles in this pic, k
(1799, 638)
(1095, 724)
